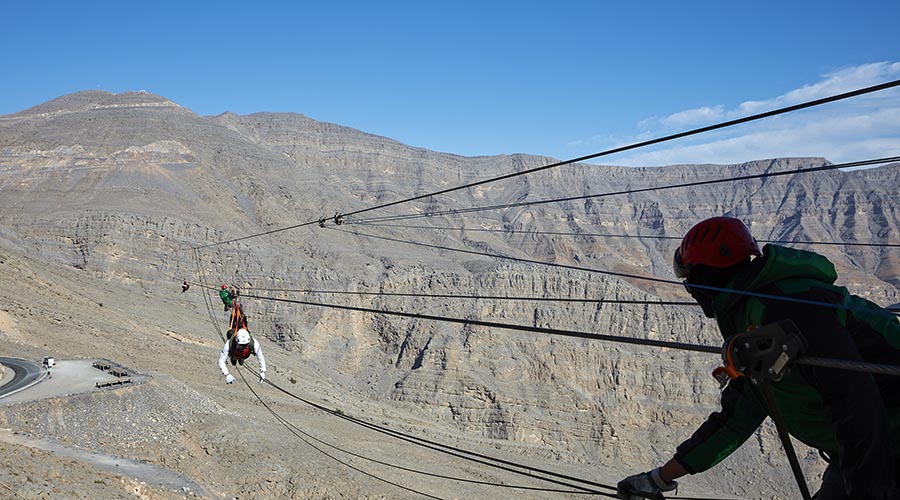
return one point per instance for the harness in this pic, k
(238, 320)
(241, 351)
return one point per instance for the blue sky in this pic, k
(562, 79)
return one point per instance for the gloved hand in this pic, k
(644, 485)
(262, 377)
(229, 378)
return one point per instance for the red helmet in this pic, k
(224, 287)
(717, 242)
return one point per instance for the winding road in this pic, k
(26, 374)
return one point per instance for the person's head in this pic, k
(711, 254)
(224, 287)
(243, 336)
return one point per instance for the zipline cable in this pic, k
(767, 114)
(612, 273)
(787, 109)
(475, 297)
(300, 435)
(527, 471)
(506, 326)
(206, 299)
(583, 490)
(458, 452)
(877, 368)
(264, 233)
(610, 235)
(461, 211)
(689, 303)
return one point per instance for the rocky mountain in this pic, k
(104, 196)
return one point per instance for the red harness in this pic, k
(238, 320)
(240, 351)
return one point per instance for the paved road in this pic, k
(73, 376)
(26, 373)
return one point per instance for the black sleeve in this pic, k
(723, 431)
(851, 399)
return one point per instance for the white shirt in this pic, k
(256, 350)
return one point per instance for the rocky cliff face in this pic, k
(119, 188)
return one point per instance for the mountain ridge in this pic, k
(100, 208)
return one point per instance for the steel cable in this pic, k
(613, 273)
(787, 109)
(859, 366)
(462, 211)
(613, 236)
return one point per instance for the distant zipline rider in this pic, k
(853, 418)
(237, 349)
(227, 296)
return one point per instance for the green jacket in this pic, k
(854, 417)
(225, 296)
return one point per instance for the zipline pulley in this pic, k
(338, 219)
(762, 354)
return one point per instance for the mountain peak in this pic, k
(86, 100)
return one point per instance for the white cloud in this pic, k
(695, 117)
(859, 128)
(839, 137)
(838, 82)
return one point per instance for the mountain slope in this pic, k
(103, 196)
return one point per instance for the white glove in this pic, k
(229, 378)
(262, 377)
(644, 485)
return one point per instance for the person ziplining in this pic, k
(228, 296)
(239, 344)
(852, 417)
(237, 349)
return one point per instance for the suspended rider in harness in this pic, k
(237, 349)
(227, 296)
